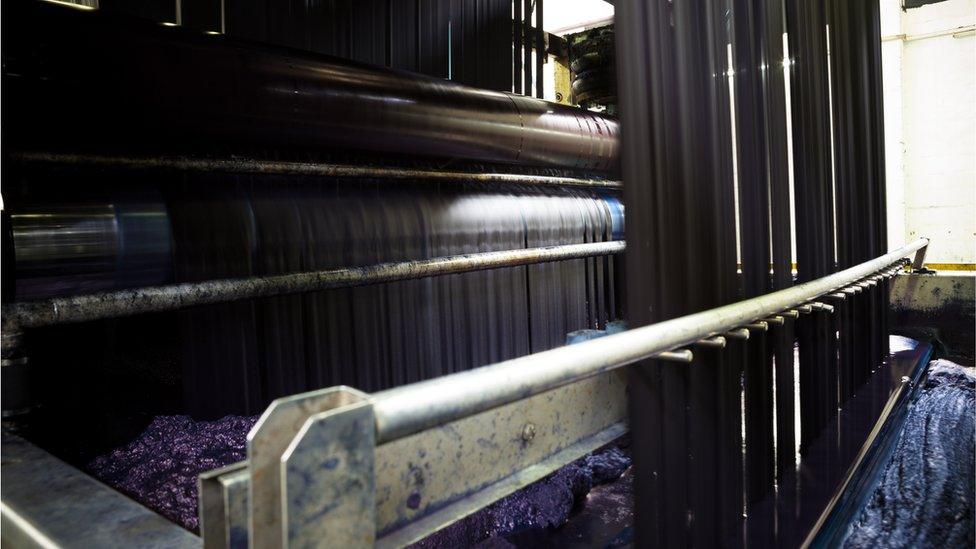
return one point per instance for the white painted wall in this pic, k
(930, 126)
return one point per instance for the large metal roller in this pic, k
(94, 81)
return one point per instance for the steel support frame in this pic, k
(393, 467)
(317, 471)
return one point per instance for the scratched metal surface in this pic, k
(328, 487)
(46, 502)
(473, 462)
(422, 472)
(267, 442)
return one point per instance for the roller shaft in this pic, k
(94, 81)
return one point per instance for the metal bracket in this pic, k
(267, 443)
(417, 487)
(329, 489)
(223, 505)
(918, 263)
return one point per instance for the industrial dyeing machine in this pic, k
(235, 222)
(281, 295)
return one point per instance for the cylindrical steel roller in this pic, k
(93, 81)
(63, 249)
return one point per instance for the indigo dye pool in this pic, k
(925, 495)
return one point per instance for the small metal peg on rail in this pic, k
(717, 342)
(758, 326)
(822, 307)
(741, 334)
(840, 296)
(805, 309)
(792, 313)
(775, 320)
(683, 355)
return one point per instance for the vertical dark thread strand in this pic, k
(517, 46)
(781, 237)
(808, 80)
(844, 181)
(754, 226)
(527, 41)
(876, 92)
(729, 364)
(644, 50)
(540, 51)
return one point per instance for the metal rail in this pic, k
(343, 450)
(120, 303)
(411, 408)
(269, 167)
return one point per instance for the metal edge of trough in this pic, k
(505, 449)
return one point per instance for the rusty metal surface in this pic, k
(271, 167)
(170, 297)
(941, 306)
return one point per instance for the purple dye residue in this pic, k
(160, 467)
(544, 504)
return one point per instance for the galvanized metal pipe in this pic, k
(314, 169)
(82, 308)
(412, 408)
